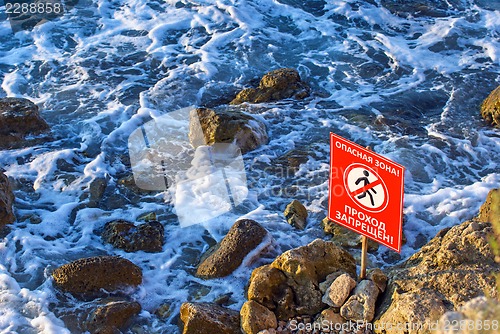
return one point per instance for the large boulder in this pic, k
(203, 318)
(19, 119)
(208, 126)
(148, 237)
(289, 286)
(243, 237)
(454, 267)
(490, 210)
(90, 276)
(111, 316)
(490, 108)
(6, 201)
(276, 85)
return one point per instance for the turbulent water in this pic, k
(405, 77)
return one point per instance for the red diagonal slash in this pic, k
(365, 188)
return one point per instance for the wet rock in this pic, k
(111, 317)
(339, 291)
(243, 237)
(276, 85)
(148, 237)
(490, 210)
(296, 214)
(454, 267)
(345, 237)
(203, 318)
(19, 120)
(361, 305)
(6, 201)
(378, 277)
(89, 276)
(255, 317)
(490, 108)
(208, 126)
(289, 163)
(295, 275)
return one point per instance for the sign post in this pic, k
(366, 193)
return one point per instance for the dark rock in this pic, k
(19, 119)
(296, 214)
(208, 126)
(204, 318)
(243, 237)
(454, 267)
(111, 317)
(148, 237)
(6, 201)
(276, 85)
(490, 210)
(89, 276)
(490, 108)
(290, 285)
(255, 317)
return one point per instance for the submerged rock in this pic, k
(111, 316)
(490, 109)
(296, 214)
(208, 126)
(276, 85)
(6, 201)
(289, 286)
(243, 237)
(454, 267)
(203, 318)
(19, 119)
(90, 276)
(148, 237)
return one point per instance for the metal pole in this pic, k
(364, 250)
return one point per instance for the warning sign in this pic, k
(366, 192)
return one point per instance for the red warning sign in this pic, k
(366, 192)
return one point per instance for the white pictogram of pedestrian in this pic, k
(365, 187)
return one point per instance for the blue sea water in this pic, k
(406, 78)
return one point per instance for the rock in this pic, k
(208, 126)
(296, 214)
(148, 237)
(111, 317)
(19, 120)
(345, 237)
(490, 210)
(361, 305)
(243, 237)
(255, 317)
(490, 108)
(454, 267)
(339, 291)
(329, 317)
(276, 85)
(203, 318)
(378, 277)
(6, 201)
(89, 276)
(294, 277)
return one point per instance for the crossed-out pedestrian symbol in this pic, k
(365, 187)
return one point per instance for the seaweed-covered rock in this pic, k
(6, 201)
(203, 318)
(19, 119)
(276, 85)
(289, 286)
(148, 237)
(243, 237)
(490, 109)
(208, 126)
(296, 214)
(90, 276)
(112, 316)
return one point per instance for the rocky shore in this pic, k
(310, 289)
